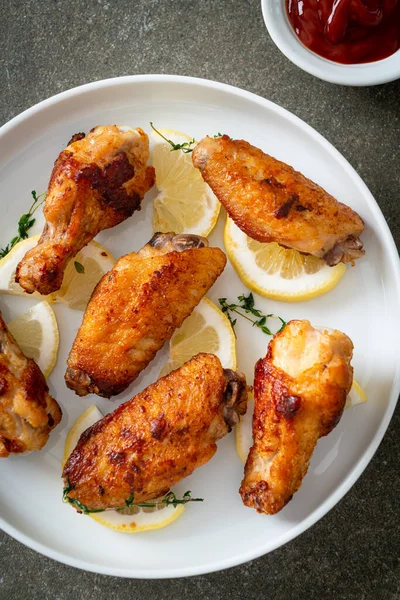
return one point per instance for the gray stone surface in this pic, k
(48, 46)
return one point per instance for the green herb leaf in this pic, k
(25, 223)
(217, 135)
(79, 268)
(170, 498)
(246, 304)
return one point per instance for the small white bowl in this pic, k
(282, 33)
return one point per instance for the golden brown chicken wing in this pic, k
(136, 307)
(98, 181)
(271, 202)
(300, 390)
(27, 411)
(159, 437)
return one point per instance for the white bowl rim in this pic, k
(363, 74)
(358, 467)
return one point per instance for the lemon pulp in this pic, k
(276, 272)
(185, 203)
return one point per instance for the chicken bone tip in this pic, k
(235, 396)
(179, 243)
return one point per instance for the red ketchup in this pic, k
(347, 31)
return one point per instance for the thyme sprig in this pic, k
(75, 502)
(246, 304)
(185, 146)
(169, 499)
(25, 223)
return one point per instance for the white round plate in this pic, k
(220, 532)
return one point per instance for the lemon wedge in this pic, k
(276, 272)
(130, 520)
(207, 329)
(244, 432)
(36, 332)
(185, 203)
(80, 278)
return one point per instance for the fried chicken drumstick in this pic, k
(98, 181)
(159, 437)
(136, 307)
(300, 391)
(27, 411)
(271, 202)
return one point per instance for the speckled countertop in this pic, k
(48, 46)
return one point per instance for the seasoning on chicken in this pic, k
(136, 307)
(157, 438)
(27, 411)
(98, 181)
(300, 391)
(271, 202)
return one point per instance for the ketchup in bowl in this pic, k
(347, 31)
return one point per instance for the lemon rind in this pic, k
(78, 428)
(56, 341)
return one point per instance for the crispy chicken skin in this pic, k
(98, 181)
(136, 307)
(271, 202)
(158, 437)
(27, 411)
(300, 390)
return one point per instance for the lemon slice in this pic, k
(276, 272)
(36, 332)
(8, 266)
(185, 203)
(243, 430)
(207, 329)
(77, 287)
(142, 521)
(130, 520)
(83, 422)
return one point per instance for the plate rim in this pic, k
(393, 259)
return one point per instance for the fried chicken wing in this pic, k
(300, 391)
(271, 202)
(98, 181)
(27, 411)
(136, 307)
(158, 437)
